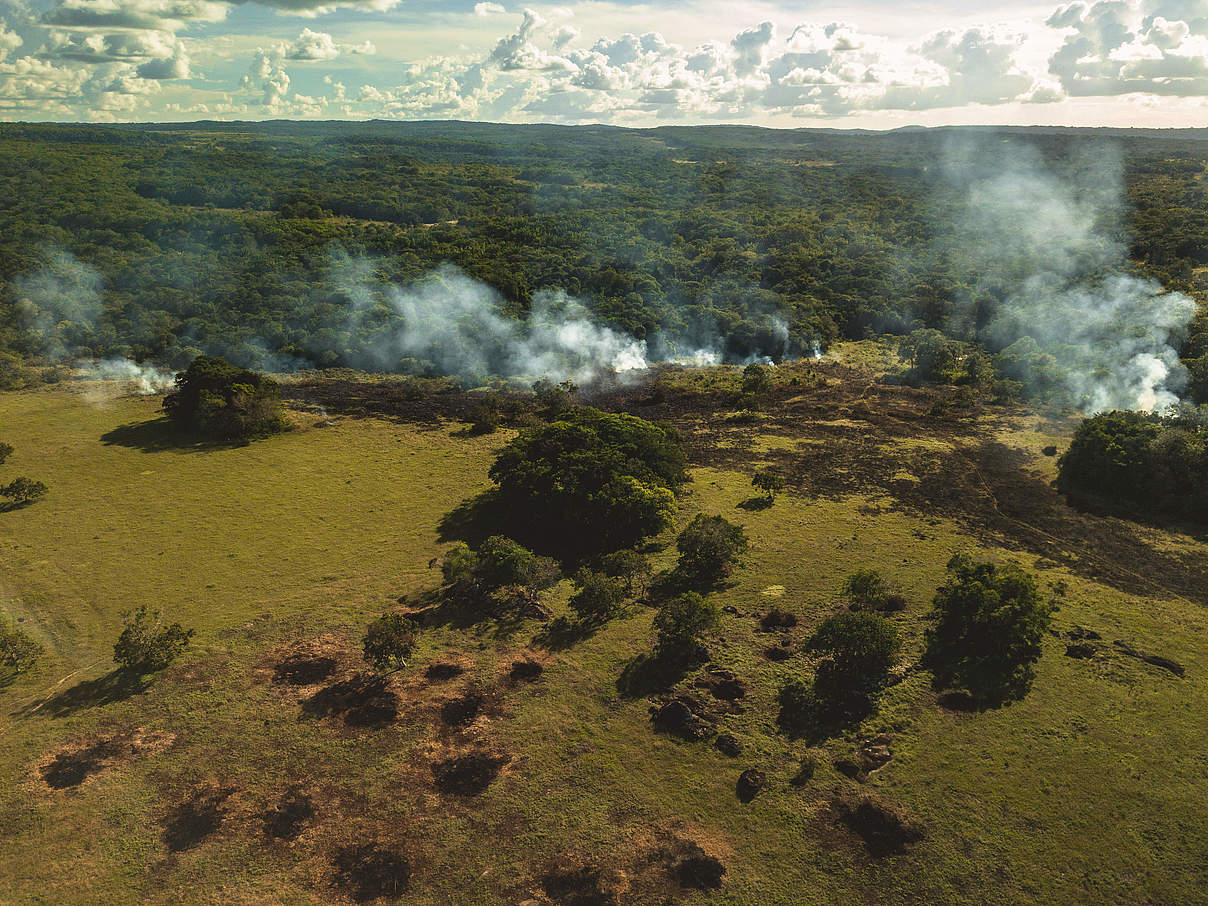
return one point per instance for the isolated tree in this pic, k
(769, 481)
(225, 402)
(708, 548)
(986, 638)
(18, 651)
(22, 490)
(681, 622)
(389, 641)
(598, 597)
(145, 645)
(6, 450)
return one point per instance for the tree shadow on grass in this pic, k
(755, 504)
(443, 608)
(648, 674)
(159, 435)
(190, 822)
(115, 686)
(564, 633)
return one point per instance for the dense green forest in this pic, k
(220, 238)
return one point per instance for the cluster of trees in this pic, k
(21, 491)
(988, 622)
(1139, 463)
(220, 240)
(222, 401)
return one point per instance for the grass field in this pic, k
(1092, 789)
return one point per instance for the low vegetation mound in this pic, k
(884, 828)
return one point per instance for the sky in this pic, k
(876, 64)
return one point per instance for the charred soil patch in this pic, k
(467, 775)
(190, 822)
(371, 871)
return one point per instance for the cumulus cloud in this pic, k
(313, 45)
(1155, 47)
(488, 9)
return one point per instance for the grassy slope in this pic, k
(1092, 788)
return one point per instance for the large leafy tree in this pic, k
(589, 482)
(225, 402)
(989, 623)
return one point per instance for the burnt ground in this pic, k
(855, 429)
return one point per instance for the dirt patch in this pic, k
(371, 871)
(722, 685)
(289, 817)
(71, 768)
(581, 885)
(76, 763)
(363, 701)
(304, 669)
(190, 822)
(463, 710)
(467, 775)
(700, 872)
(777, 619)
(884, 828)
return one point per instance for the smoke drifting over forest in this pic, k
(1052, 293)
(1067, 308)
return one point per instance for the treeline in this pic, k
(219, 238)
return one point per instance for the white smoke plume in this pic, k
(61, 305)
(1047, 244)
(457, 325)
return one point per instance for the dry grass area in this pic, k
(268, 766)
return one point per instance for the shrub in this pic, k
(22, 490)
(502, 562)
(145, 646)
(554, 399)
(588, 483)
(862, 646)
(389, 641)
(709, 547)
(18, 652)
(865, 588)
(458, 565)
(485, 418)
(756, 382)
(6, 450)
(682, 621)
(599, 596)
(989, 622)
(225, 402)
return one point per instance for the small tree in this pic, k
(858, 649)
(22, 490)
(769, 481)
(630, 567)
(6, 450)
(599, 596)
(682, 621)
(756, 380)
(18, 652)
(989, 623)
(554, 399)
(389, 641)
(145, 646)
(709, 547)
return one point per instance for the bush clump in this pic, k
(682, 621)
(598, 597)
(18, 651)
(224, 402)
(389, 641)
(868, 590)
(21, 491)
(709, 548)
(144, 645)
(989, 623)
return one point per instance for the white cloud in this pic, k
(488, 9)
(313, 45)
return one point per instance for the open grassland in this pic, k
(1092, 789)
